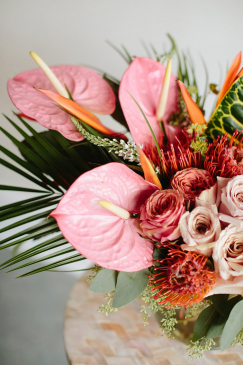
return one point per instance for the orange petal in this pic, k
(240, 73)
(148, 170)
(194, 111)
(230, 77)
(78, 111)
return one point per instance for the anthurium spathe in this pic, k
(98, 233)
(78, 111)
(86, 87)
(144, 80)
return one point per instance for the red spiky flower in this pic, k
(174, 157)
(180, 158)
(183, 278)
(225, 158)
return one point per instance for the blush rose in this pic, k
(199, 229)
(231, 200)
(160, 215)
(228, 253)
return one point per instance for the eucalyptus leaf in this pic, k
(104, 281)
(219, 301)
(219, 321)
(204, 322)
(233, 326)
(129, 286)
(217, 326)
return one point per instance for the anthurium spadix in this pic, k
(144, 81)
(96, 228)
(87, 88)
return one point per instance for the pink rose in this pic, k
(231, 205)
(191, 182)
(199, 229)
(160, 215)
(228, 261)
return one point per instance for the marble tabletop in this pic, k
(92, 338)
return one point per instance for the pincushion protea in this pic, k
(225, 158)
(183, 278)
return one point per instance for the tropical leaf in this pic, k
(228, 116)
(53, 163)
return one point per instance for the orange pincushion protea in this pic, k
(225, 158)
(183, 278)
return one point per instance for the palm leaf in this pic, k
(52, 163)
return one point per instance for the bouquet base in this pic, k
(120, 338)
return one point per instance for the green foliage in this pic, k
(126, 150)
(129, 286)
(166, 56)
(196, 349)
(233, 326)
(104, 281)
(219, 301)
(108, 308)
(223, 307)
(228, 116)
(151, 130)
(196, 308)
(204, 322)
(168, 316)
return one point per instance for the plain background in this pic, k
(74, 32)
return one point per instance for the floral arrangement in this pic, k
(160, 215)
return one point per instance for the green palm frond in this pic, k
(52, 163)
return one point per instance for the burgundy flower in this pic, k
(191, 182)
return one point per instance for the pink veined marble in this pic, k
(97, 233)
(87, 88)
(143, 80)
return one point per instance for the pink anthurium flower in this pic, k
(87, 88)
(144, 80)
(98, 233)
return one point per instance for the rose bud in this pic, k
(199, 229)
(228, 253)
(160, 215)
(191, 182)
(231, 200)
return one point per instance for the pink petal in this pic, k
(95, 232)
(86, 87)
(227, 286)
(143, 80)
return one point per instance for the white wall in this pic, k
(75, 31)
